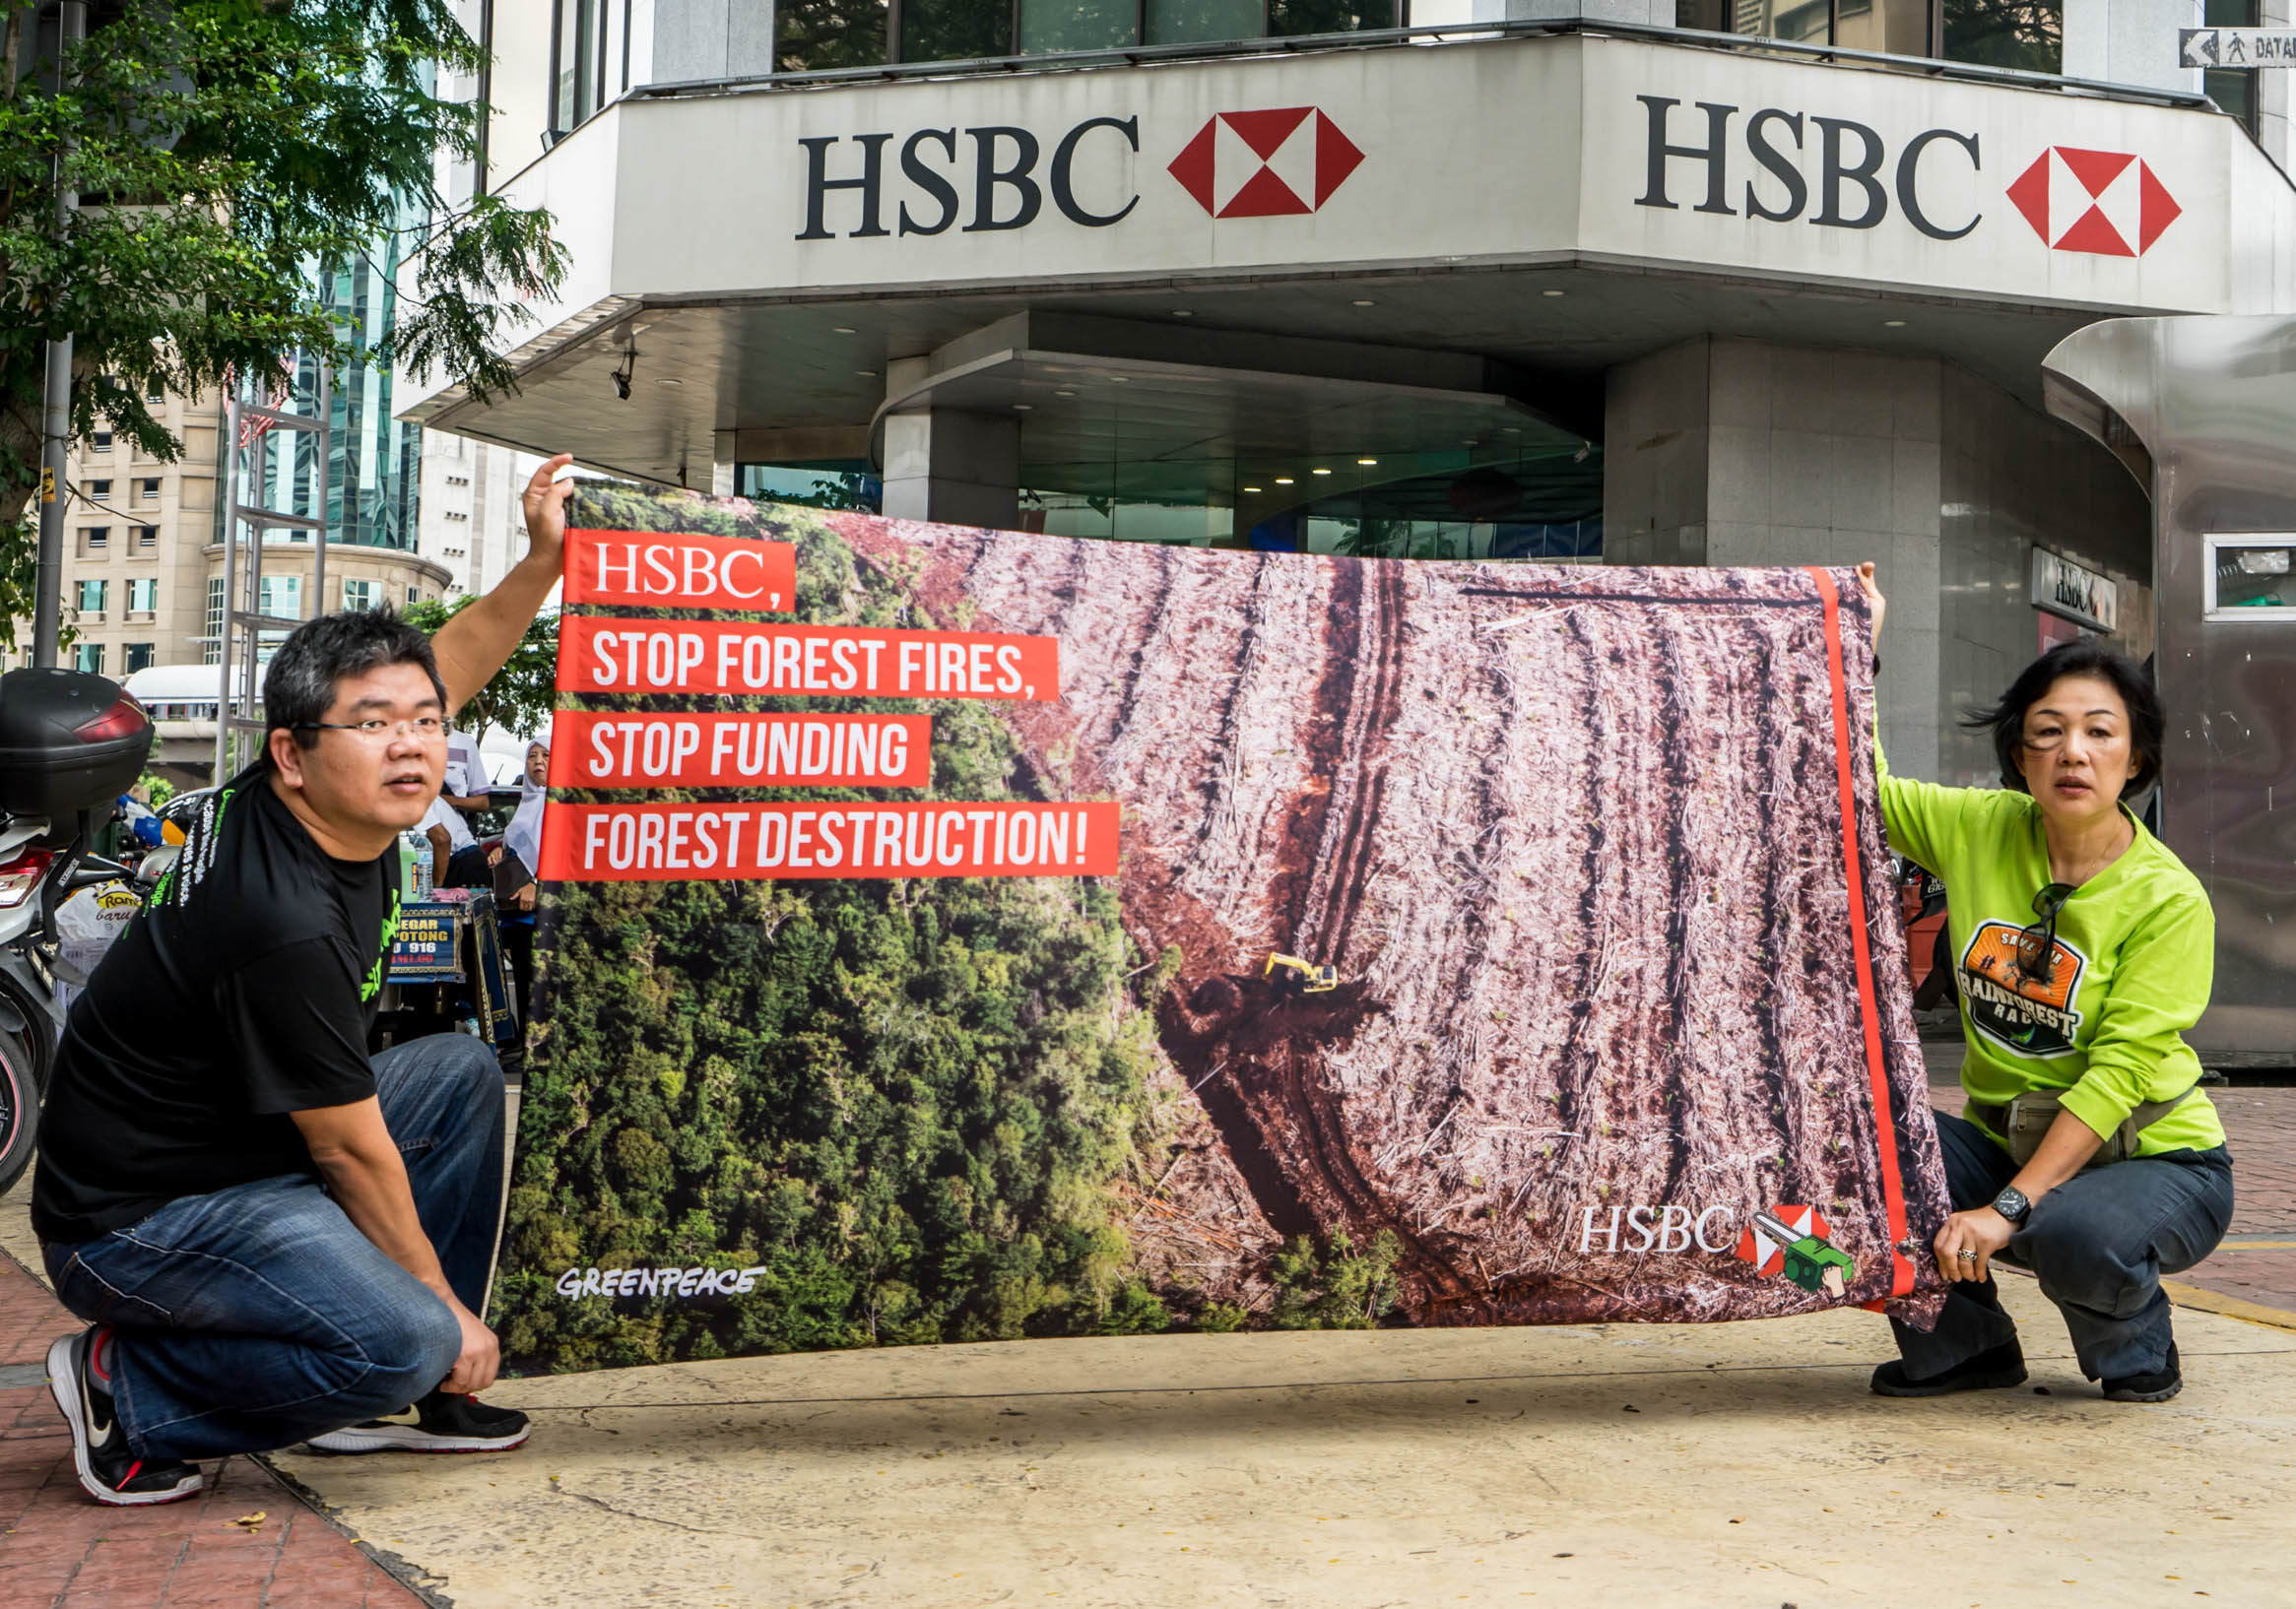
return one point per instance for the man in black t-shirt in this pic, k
(274, 1238)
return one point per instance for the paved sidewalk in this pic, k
(60, 1551)
(1712, 1466)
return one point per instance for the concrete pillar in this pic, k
(941, 464)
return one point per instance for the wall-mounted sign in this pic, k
(2237, 46)
(2080, 594)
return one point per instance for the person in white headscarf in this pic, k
(523, 837)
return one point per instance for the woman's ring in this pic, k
(1966, 1254)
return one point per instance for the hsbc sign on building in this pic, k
(1573, 149)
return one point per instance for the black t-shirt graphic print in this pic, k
(242, 992)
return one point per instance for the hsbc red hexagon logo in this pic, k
(1265, 164)
(2108, 203)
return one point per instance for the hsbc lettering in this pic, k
(1005, 188)
(1855, 181)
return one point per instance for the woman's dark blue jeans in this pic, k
(258, 1316)
(2098, 1245)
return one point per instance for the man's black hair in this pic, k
(2078, 659)
(319, 655)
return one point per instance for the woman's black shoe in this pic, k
(1990, 1371)
(2156, 1387)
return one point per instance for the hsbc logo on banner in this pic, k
(1265, 164)
(2108, 203)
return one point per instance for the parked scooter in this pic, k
(70, 744)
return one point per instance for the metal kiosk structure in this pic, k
(247, 428)
(2203, 412)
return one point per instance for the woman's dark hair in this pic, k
(2078, 659)
(298, 686)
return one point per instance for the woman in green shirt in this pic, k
(2083, 949)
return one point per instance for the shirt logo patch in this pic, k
(374, 974)
(2032, 1016)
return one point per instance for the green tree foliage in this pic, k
(223, 148)
(521, 695)
(907, 1100)
(1337, 1287)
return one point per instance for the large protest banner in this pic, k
(951, 935)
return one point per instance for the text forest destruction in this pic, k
(954, 934)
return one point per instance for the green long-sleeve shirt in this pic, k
(2135, 959)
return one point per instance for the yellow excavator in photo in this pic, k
(1302, 977)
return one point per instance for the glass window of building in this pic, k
(815, 36)
(1078, 25)
(91, 597)
(413, 595)
(142, 593)
(1185, 22)
(139, 655)
(99, 492)
(577, 62)
(956, 30)
(2027, 34)
(99, 441)
(359, 595)
(283, 596)
(89, 658)
(147, 539)
(1296, 17)
(94, 539)
(212, 643)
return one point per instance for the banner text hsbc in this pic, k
(1004, 193)
(1850, 190)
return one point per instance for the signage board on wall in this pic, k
(2074, 592)
(1014, 936)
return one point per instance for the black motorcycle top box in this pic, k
(69, 742)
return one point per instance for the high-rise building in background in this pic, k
(473, 526)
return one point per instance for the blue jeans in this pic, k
(259, 1315)
(2097, 1243)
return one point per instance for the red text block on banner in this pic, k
(677, 843)
(592, 750)
(670, 569)
(597, 656)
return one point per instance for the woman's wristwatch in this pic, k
(2012, 1203)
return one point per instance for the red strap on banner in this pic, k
(1854, 870)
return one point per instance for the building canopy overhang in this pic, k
(764, 268)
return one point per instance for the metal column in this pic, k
(238, 729)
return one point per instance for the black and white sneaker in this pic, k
(109, 1471)
(439, 1423)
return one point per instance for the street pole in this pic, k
(56, 404)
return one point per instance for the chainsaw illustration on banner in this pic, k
(1803, 1254)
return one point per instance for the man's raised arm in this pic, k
(475, 644)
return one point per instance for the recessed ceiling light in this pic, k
(1064, 393)
(1319, 472)
(866, 374)
(1509, 431)
(1251, 488)
(1366, 303)
(1023, 407)
(1471, 441)
(1893, 323)
(1366, 459)
(1284, 479)
(842, 329)
(1182, 312)
(1119, 379)
(666, 380)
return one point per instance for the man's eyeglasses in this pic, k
(2037, 943)
(375, 729)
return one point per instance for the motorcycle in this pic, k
(70, 744)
